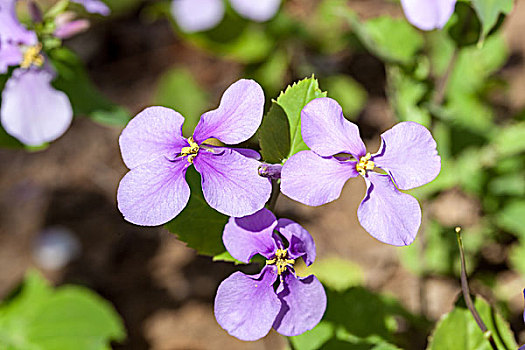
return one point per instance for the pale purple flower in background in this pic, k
(428, 14)
(67, 25)
(200, 15)
(94, 6)
(32, 110)
(248, 306)
(155, 191)
(407, 156)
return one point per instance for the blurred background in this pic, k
(58, 206)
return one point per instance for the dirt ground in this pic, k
(162, 289)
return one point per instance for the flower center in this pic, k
(191, 151)
(32, 56)
(364, 165)
(280, 260)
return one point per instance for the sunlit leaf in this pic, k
(69, 317)
(458, 330)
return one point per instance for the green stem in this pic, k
(466, 294)
(276, 190)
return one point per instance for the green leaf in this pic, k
(271, 73)
(511, 217)
(489, 10)
(69, 317)
(226, 256)
(458, 330)
(392, 40)
(292, 101)
(315, 338)
(274, 135)
(178, 90)
(405, 94)
(509, 140)
(199, 225)
(516, 254)
(85, 98)
(335, 273)
(348, 92)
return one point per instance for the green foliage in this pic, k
(199, 225)
(178, 90)
(85, 98)
(274, 135)
(348, 92)
(392, 40)
(458, 330)
(355, 318)
(489, 10)
(335, 273)
(510, 218)
(405, 93)
(292, 101)
(69, 317)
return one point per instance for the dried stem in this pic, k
(466, 294)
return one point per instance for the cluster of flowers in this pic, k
(200, 15)
(32, 110)
(237, 184)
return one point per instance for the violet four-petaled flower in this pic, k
(155, 191)
(407, 154)
(32, 110)
(428, 14)
(199, 15)
(248, 306)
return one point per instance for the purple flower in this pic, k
(199, 15)
(154, 191)
(94, 6)
(428, 14)
(248, 306)
(407, 158)
(32, 110)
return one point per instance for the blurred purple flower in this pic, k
(155, 191)
(67, 25)
(428, 14)
(32, 110)
(94, 6)
(200, 15)
(407, 156)
(248, 306)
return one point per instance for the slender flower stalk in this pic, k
(466, 294)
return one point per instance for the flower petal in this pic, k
(303, 302)
(246, 306)
(253, 234)
(10, 55)
(32, 110)
(154, 193)
(197, 15)
(11, 30)
(314, 180)
(301, 242)
(326, 131)
(231, 183)
(260, 10)
(94, 6)
(154, 132)
(428, 14)
(388, 215)
(238, 116)
(408, 153)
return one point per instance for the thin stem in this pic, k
(441, 85)
(276, 190)
(466, 294)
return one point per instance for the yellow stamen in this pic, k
(280, 261)
(364, 165)
(33, 57)
(190, 151)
